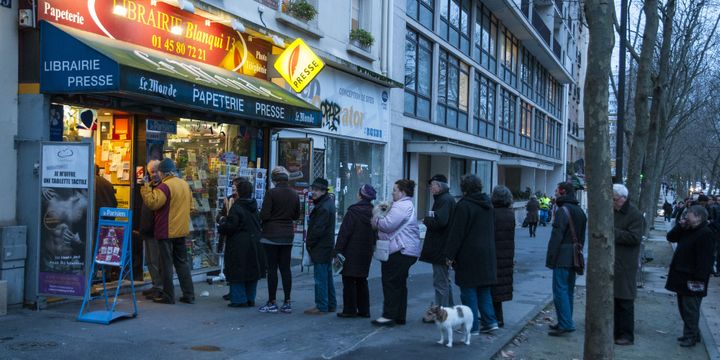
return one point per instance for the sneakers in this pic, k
(269, 308)
(286, 308)
(489, 328)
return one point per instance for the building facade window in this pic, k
(484, 114)
(357, 15)
(418, 68)
(551, 96)
(454, 23)
(508, 57)
(539, 133)
(452, 92)
(540, 85)
(527, 66)
(421, 11)
(550, 138)
(486, 32)
(526, 111)
(507, 117)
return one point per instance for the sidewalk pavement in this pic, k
(211, 330)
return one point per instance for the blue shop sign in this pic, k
(163, 126)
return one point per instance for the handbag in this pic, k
(578, 258)
(382, 247)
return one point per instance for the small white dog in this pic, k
(449, 318)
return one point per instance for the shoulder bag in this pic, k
(578, 258)
(382, 247)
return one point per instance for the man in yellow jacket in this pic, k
(171, 201)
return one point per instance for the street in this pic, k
(211, 330)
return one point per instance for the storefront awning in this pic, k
(447, 148)
(76, 62)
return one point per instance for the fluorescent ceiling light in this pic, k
(176, 30)
(237, 25)
(120, 10)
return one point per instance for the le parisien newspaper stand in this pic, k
(112, 248)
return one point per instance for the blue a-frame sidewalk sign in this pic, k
(113, 247)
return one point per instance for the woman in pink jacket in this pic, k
(399, 225)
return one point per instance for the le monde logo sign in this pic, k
(298, 65)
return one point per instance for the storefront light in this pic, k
(278, 41)
(176, 30)
(120, 10)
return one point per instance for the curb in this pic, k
(708, 340)
(513, 331)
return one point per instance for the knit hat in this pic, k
(439, 178)
(166, 166)
(368, 192)
(279, 173)
(320, 183)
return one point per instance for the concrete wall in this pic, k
(9, 113)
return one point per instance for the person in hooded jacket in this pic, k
(355, 242)
(502, 291)
(438, 226)
(470, 249)
(690, 269)
(244, 264)
(560, 254)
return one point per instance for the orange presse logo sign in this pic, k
(298, 65)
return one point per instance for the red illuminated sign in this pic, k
(163, 27)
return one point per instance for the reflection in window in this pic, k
(484, 112)
(452, 92)
(486, 30)
(539, 133)
(454, 27)
(526, 125)
(507, 117)
(421, 11)
(527, 67)
(509, 57)
(418, 67)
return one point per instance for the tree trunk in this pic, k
(658, 117)
(642, 94)
(601, 241)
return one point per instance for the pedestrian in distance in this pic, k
(438, 222)
(502, 291)
(629, 225)
(320, 242)
(244, 260)
(569, 219)
(667, 211)
(399, 226)
(470, 250)
(280, 210)
(355, 242)
(533, 209)
(171, 200)
(690, 269)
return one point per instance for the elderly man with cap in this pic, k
(438, 226)
(171, 200)
(320, 241)
(355, 242)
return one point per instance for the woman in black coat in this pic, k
(244, 263)
(355, 242)
(532, 217)
(504, 249)
(690, 269)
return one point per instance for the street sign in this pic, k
(298, 65)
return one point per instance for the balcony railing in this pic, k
(540, 26)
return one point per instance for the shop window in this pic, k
(418, 75)
(484, 114)
(348, 165)
(454, 26)
(483, 169)
(421, 11)
(486, 33)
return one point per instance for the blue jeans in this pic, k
(243, 292)
(324, 287)
(563, 294)
(479, 298)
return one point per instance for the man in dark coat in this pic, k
(355, 242)
(244, 263)
(438, 227)
(320, 242)
(629, 225)
(471, 249)
(502, 291)
(690, 269)
(532, 217)
(560, 256)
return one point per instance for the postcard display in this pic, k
(209, 170)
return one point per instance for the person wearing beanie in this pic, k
(438, 222)
(171, 201)
(355, 242)
(319, 242)
(280, 209)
